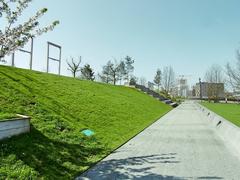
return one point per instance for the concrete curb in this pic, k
(14, 126)
(227, 131)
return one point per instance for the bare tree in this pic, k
(234, 73)
(143, 81)
(150, 85)
(168, 79)
(158, 78)
(105, 76)
(214, 77)
(110, 73)
(214, 74)
(74, 67)
(114, 71)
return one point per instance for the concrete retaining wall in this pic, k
(229, 132)
(13, 127)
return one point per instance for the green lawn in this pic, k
(60, 108)
(230, 112)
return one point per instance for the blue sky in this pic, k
(189, 35)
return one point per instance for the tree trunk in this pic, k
(114, 80)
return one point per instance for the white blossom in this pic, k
(16, 35)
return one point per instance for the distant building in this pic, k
(209, 90)
(182, 87)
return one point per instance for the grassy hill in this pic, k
(230, 112)
(61, 107)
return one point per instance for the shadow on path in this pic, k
(139, 167)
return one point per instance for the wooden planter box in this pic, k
(15, 126)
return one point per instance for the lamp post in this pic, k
(200, 89)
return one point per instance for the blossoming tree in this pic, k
(15, 34)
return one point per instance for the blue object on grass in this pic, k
(88, 132)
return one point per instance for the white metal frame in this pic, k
(54, 59)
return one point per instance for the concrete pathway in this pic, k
(181, 145)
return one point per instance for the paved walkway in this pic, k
(181, 145)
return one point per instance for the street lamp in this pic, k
(200, 88)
